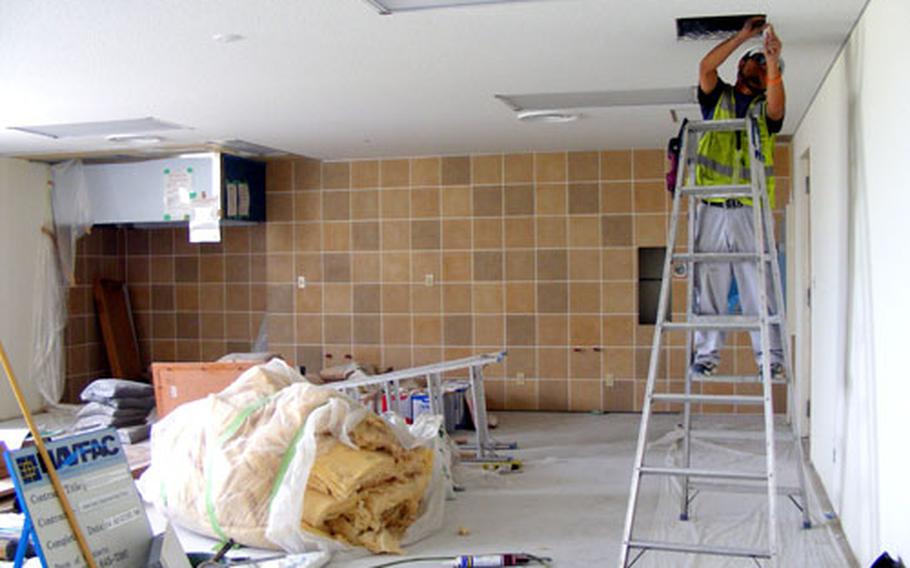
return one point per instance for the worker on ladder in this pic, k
(726, 225)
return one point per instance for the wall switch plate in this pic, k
(519, 379)
(301, 282)
(428, 280)
(608, 380)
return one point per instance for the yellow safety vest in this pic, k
(723, 157)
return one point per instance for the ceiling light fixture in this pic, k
(548, 116)
(102, 128)
(387, 7)
(228, 38)
(599, 99)
(135, 139)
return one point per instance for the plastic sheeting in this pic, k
(725, 515)
(569, 502)
(55, 274)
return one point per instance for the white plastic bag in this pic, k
(195, 460)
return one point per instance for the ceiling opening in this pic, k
(711, 27)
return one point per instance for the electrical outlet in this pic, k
(301, 282)
(428, 280)
(519, 379)
(608, 380)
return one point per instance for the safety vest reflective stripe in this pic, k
(723, 155)
(725, 170)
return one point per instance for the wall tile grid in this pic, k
(533, 253)
(190, 302)
(196, 302)
(99, 254)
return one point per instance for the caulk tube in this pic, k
(488, 561)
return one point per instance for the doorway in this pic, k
(802, 328)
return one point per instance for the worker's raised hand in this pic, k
(772, 44)
(753, 27)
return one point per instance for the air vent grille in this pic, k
(711, 27)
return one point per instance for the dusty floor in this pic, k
(569, 502)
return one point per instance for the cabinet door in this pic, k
(242, 189)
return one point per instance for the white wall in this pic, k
(23, 208)
(858, 134)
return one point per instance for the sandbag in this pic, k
(106, 410)
(102, 390)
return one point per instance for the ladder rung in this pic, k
(705, 473)
(699, 549)
(719, 257)
(740, 435)
(725, 191)
(708, 398)
(747, 323)
(742, 487)
(747, 379)
(709, 125)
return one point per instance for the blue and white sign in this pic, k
(96, 477)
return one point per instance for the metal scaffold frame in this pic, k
(390, 384)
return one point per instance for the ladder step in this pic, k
(704, 473)
(742, 379)
(780, 436)
(719, 257)
(699, 549)
(708, 398)
(744, 488)
(744, 323)
(724, 191)
(714, 125)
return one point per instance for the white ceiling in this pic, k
(333, 79)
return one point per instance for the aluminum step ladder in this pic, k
(764, 481)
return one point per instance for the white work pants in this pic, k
(720, 229)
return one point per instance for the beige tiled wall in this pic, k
(190, 302)
(195, 302)
(533, 253)
(98, 255)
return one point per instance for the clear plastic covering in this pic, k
(71, 219)
(275, 462)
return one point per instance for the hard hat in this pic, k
(758, 53)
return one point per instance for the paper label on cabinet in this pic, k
(243, 206)
(231, 199)
(205, 223)
(178, 194)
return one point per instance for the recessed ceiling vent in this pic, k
(711, 27)
(548, 116)
(387, 7)
(247, 149)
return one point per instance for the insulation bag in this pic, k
(275, 462)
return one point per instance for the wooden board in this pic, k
(113, 305)
(177, 383)
(3, 473)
